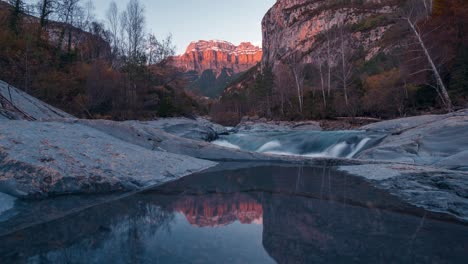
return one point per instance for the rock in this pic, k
(262, 125)
(209, 66)
(295, 28)
(399, 125)
(217, 55)
(6, 202)
(433, 189)
(196, 129)
(40, 159)
(21, 106)
(426, 140)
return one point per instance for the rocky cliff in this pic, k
(305, 30)
(212, 65)
(217, 55)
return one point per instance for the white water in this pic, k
(341, 148)
(226, 144)
(275, 144)
(6, 202)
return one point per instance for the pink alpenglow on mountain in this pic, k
(217, 55)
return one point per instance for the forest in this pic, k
(423, 68)
(57, 50)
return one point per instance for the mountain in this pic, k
(355, 57)
(296, 30)
(217, 55)
(212, 65)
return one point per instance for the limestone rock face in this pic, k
(217, 55)
(209, 66)
(298, 28)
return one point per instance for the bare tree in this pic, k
(46, 8)
(330, 35)
(112, 16)
(322, 81)
(284, 85)
(412, 16)
(67, 11)
(160, 51)
(345, 71)
(133, 24)
(86, 16)
(298, 70)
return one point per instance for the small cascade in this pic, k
(336, 144)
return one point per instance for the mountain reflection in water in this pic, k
(256, 215)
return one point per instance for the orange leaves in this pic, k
(383, 80)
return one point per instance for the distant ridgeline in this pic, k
(211, 65)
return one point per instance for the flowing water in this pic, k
(338, 144)
(258, 214)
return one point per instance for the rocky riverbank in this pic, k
(44, 152)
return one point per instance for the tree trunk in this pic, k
(440, 82)
(323, 86)
(299, 94)
(343, 68)
(328, 67)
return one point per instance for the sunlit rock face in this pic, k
(217, 210)
(217, 55)
(298, 28)
(209, 66)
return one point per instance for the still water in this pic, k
(263, 214)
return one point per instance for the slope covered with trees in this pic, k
(382, 59)
(57, 51)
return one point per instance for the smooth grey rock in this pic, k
(197, 129)
(250, 125)
(433, 189)
(23, 106)
(397, 125)
(39, 159)
(6, 202)
(443, 142)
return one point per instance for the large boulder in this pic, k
(197, 129)
(427, 140)
(39, 159)
(18, 105)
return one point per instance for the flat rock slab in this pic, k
(433, 189)
(440, 141)
(196, 129)
(18, 105)
(39, 159)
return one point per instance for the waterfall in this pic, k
(336, 144)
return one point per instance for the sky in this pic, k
(191, 20)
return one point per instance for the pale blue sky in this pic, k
(188, 20)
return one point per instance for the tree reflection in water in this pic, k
(255, 215)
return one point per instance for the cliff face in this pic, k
(218, 55)
(303, 30)
(219, 210)
(210, 66)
